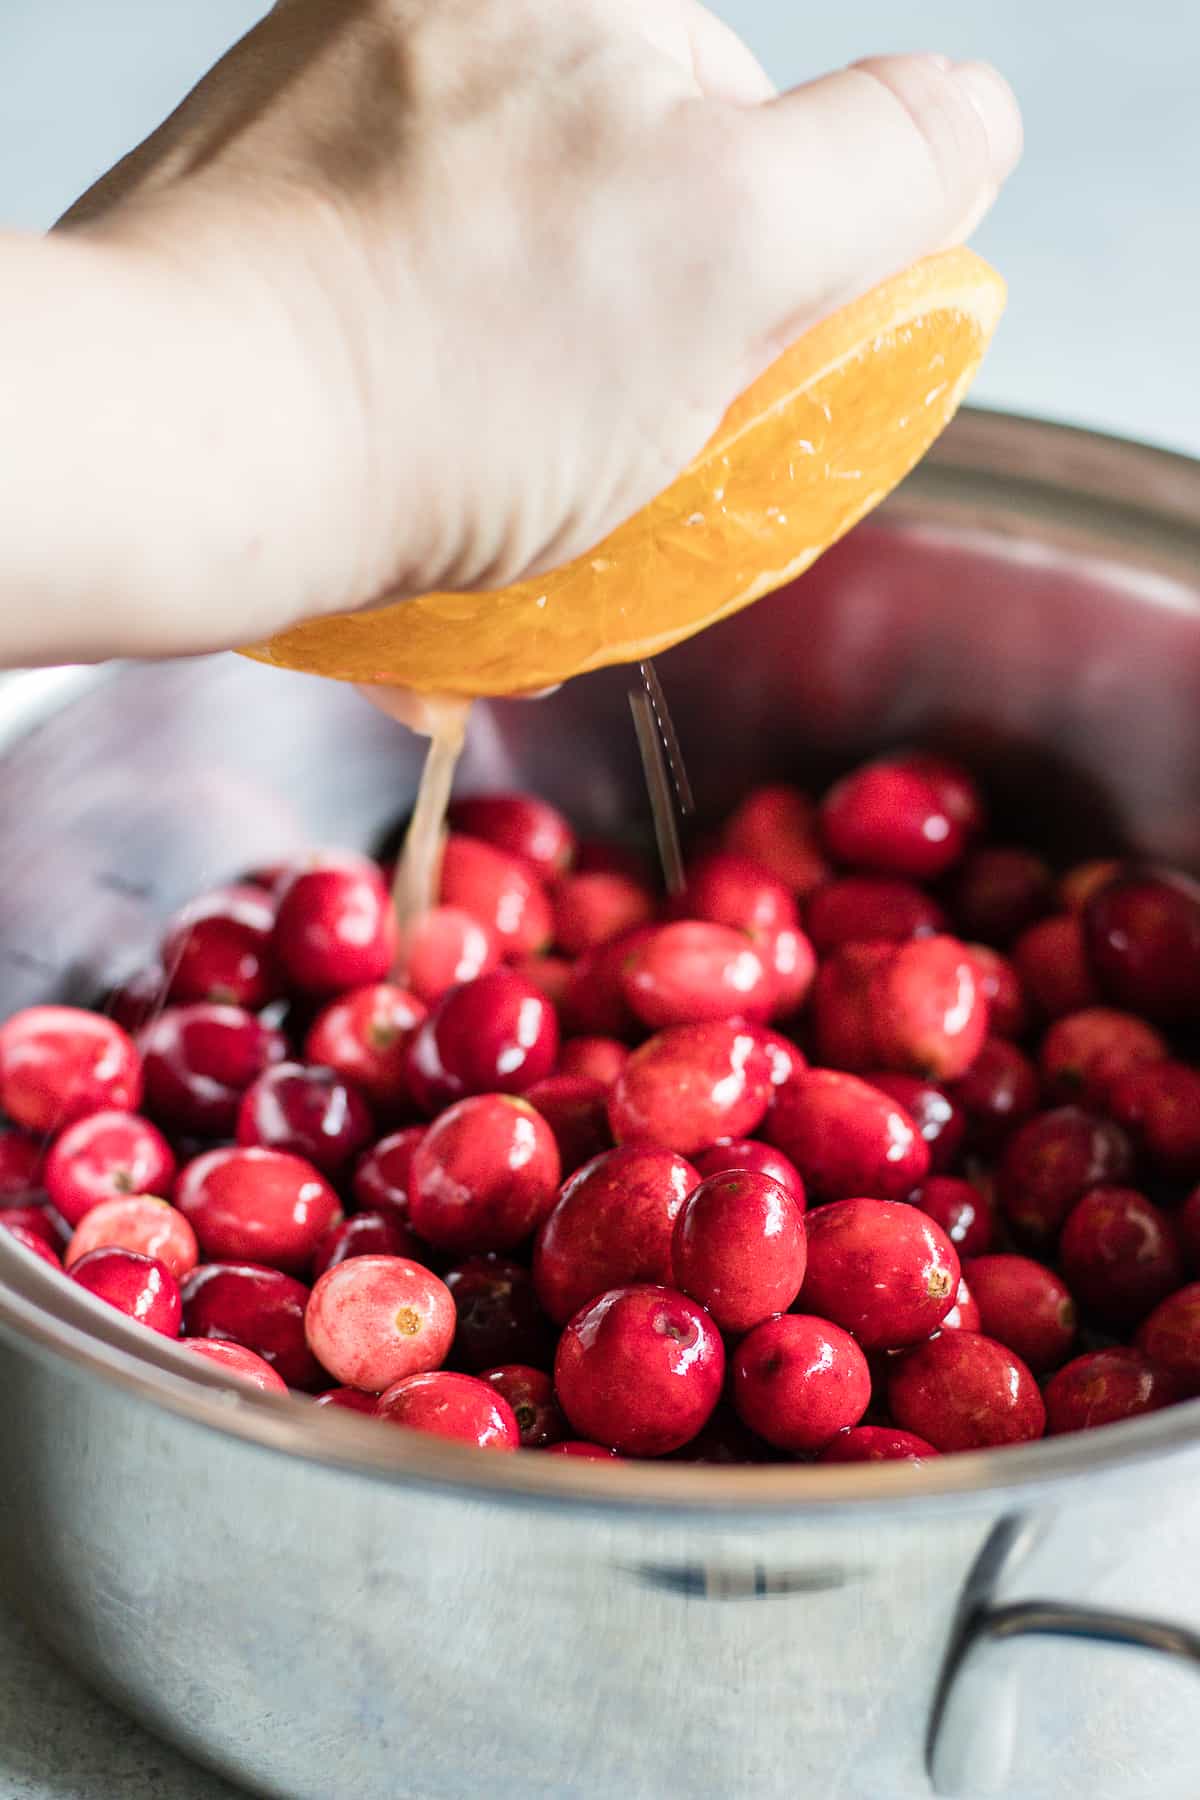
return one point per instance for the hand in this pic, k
(460, 284)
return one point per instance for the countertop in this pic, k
(1096, 234)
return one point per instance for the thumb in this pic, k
(864, 171)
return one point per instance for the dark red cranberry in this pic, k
(963, 1391)
(443, 948)
(1121, 1256)
(34, 1241)
(519, 824)
(1083, 1054)
(219, 948)
(1159, 1104)
(104, 1157)
(776, 826)
(259, 1308)
(336, 927)
(576, 1110)
(134, 1001)
(846, 1138)
(799, 1381)
(501, 890)
(845, 1007)
(141, 1287)
(1104, 1387)
(937, 1115)
(366, 1234)
(930, 1016)
(236, 1363)
(451, 1406)
(374, 1319)
(1171, 1336)
(640, 1369)
(498, 1316)
(1188, 1224)
(1026, 1307)
(1052, 961)
(739, 1249)
(725, 1441)
(612, 1225)
(1054, 1160)
(604, 857)
(753, 1158)
(1143, 941)
(383, 1175)
(594, 1003)
(963, 1213)
(690, 1086)
(59, 1063)
(348, 1400)
(494, 1035)
(257, 1205)
(891, 820)
(690, 972)
(596, 1058)
(998, 1093)
(998, 892)
(484, 1176)
(20, 1164)
(876, 1443)
(1080, 882)
(530, 1393)
(364, 1036)
(1002, 989)
(198, 1062)
(312, 1112)
(550, 975)
(590, 910)
(882, 1270)
(858, 909)
(956, 788)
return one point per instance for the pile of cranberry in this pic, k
(875, 1143)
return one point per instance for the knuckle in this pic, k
(945, 123)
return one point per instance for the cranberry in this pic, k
(930, 1017)
(451, 1406)
(690, 972)
(726, 1441)
(751, 1157)
(530, 1393)
(738, 1247)
(1052, 1161)
(550, 975)
(494, 1035)
(36, 1219)
(140, 1222)
(104, 1156)
(847, 1138)
(1121, 1255)
(1077, 886)
(335, 928)
(590, 910)
(876, 1443)
(364, 1035)
(261, 1309)
(1104, 1387)
(1160, 1105)
(1085, 1052)
(383, 1176)
(219, 948)
(484, 1176)
(20, 1164)
(136, 1000)
(1052, 961)
(500, 890)
(690, 1086)
(141, 1287)
(594, 1003)
(34, 1241)
(238, 1363)
(891, 820)
(964, 1315)
(597, 1058)
(375, 1319)
(310, 1111)
(1171, 1336)
(576, 1110)
(348, 1400)
(1143, 939)
(1025, 1307)
(603, 856)
(366, 1234)
(445, 947)
(257, 1205)
(776, 826)
(998, 892)
(640, 1369)
(858, 909)
(726, 889)
(612, 1224)
(784, 1058)
(799, 1381)
(1188, 1222)
(58, 1063)
(936, 1114)
(498, 1318)
(963, 1391)
(998, 1092)
(519, 824)
(961, 1210)
(956, 788)
(589, 1452)
(844, 1009)
(1003, 989)
(880, 1269)
(199, 1060)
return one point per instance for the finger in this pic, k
(725, 67)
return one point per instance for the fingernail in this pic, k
(936, 60)
(997, 107)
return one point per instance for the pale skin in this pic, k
(426, 294)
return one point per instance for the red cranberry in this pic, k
(589, 1452)
(35, 1219)
(135, 1001)
(499, 889)
(859, 909)
(550, 975)
(59, 1063)
(20, 1164)
(612, 1224)
(336, 928)
(366, 1234)
(594, 1003)
(364, 1037)
(34, 1241)
(690, 972)
(1053, 1161)
(1143, 939)
(961, 1210)
(102, 1157)
(1002, 989)
(1160, 1105)
(1025, 1307)
(1052, 961)
(876, 1443)
(791, 966)
(955, 787)
(732, 890)
(383, 1176)
(530, 1393)
(484, 1176)
(219, 948)
(998, 1092)
(640, 1369)
(747, 1155)
(964, 1315)
(238, 1363)
(690, 1086)
(998, 892)
(890, 820)
(1121, 1255)
(936, 1114)
(199, 1060)
(597, 1058)
(799, 1381)
(1085, 1052)
(1104, 1387)
(930, 1017)
(139, 1286)
(847, 1138)
(140, 1222)
(784, 1058)
(261, 1309)
(1188, 1223)
(348, 1400)
(451, 1406)
(602, 856)
(590, 910)
(576, 1110)
(1077, 886)
(498, 1318)
(310, 1111)
(519, 824)
(776, 826)
(494, 1035)
(739, 1249)
(880, 1269)
(962, 1391)
(725, 1441)
(1171, 1336)
(445, 947)
(375, 1319)
(257, 1205)
(845, 1006)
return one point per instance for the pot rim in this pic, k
(1149, 500)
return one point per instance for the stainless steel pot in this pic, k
(320, 1609)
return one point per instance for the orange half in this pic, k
(808, 450)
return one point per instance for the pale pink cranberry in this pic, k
(501, 890)
(876, 1443)
(484, 1176)
(688, 1087)
(738, 1248)
(530, 1393)
(1078, 885)
(937, 1115)
(445, 947)
(363, 1035)
(593, 909)
(1159, 1104)
(799, 1381)
(256, 1205)
(336, 927)
(845, 1007)
(344, 1399)
(776, 826)
(550, 975)
(21, 1157)
(1121, 1255)
(1143, 942)
(930, 1017)
(1003, 989)
(495, 1035)
(238, 1363)
(141, 1287)
(365, 1234)
(520, 824)
(198, 1062)
(140, 1222)
(34, 1241)
(1052, 961)
(998, 1093)
(640, 1369)
(1052, 1161)
(383, 1175)
(846, 1138)
(691, 972)
(1026, 1307)
(749, 1156)
(313, 1112)
(576, 1110)
(594, 1003)
(59, 1063)
(612, 1224)
(103, 1157)
(1105, 1386)
(451, 1406)
(962, 1211)
(497, 1315)
(891, 820)
(964, 1391)
(1083, 1054)
(261, 1309)
(219, 948)
(998, 892)
(596, 1058)
(880, 1269)
(375, 1319)
(858, 909)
